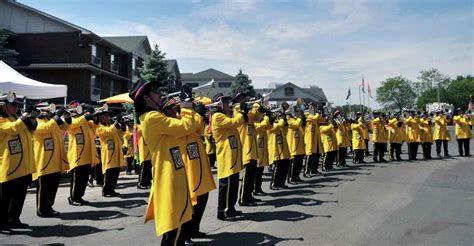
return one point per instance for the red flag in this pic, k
(369, 90)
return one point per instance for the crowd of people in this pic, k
(179, 142)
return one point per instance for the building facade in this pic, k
(289, 92)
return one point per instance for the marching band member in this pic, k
(441, 133)
(312, 141)
(462, 131)
(50, 157)
(426, 136)
(17, 161)
(366, 135)
(278, 151)
(229, 155)
(262, 141)
(358, 143)
(343, 141)
(210, 144)
(248, 138)
(395, 138)
(111, 152)
(328, 136)
(413, 134)
(295, 138)
(144, 155)
(129, 152)
(82, 153)
(378, 137)
(169, 203)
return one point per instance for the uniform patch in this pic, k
(249, 130)
(313, 128)
(279, 139)
(261, 143)
(79, 138)
(15, 146)
(233, 142)
(177, 158)
(48, 144)
(110, 144)
(193, 151)
(329, 138)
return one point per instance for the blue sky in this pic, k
(332, 44)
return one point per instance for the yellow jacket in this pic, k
(228, 146)
(81, 146)
(343, 137)
(277, 144)
(413, 130)
(357, 135)
(16, 143)
(378, 131)
(209, 139)
(262, 141)
(169, 203)
(49, 148)
(110, 147)
(425, 127)
(328, 135)
(365, 130)
(462, 129)
(312, 136)
(247, 134)
(441, 128)
(143, 151)
(196, 163)
(395, 131)
(128, 142)
(295, 137)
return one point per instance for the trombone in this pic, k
(210, 84)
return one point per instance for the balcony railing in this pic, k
(96, 61)
(114, 67)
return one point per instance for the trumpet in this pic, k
(51, 108)
(214, 105)
(210, 84)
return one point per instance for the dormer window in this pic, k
(289, 91)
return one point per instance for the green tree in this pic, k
(7, 55)
(459, 90)
(396, 93)
(426, 87)
(242, 84)
(154, 70)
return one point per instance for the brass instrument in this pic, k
(210, 84)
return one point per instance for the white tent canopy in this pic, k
(12, 80)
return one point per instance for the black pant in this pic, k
(412, 150)
(172, 238)
(314, 169)
(309, 163)
(463, 142)
(248, 182)
(296, 166)
(379, 151)
(79, 177)
(445, 147)
(426, 147)
(366, 147)
(329, 158)
(46, 189)
(280, 172)
(358, 156)
(395, 148)
(193, 226)
(110, 180)
(130, 162)
(212, 159)
(228, 192)
(144, 178)
(258, 180)
(12, 198)
(342, 154)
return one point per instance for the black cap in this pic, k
(219, 96)
(237, 95)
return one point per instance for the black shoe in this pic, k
(259, 193)
(447, 155)
(72, 202)
(247, 204)
(235, 213)
(46, 214)
(283, 186)
(141, 187)
(17, 224)
(297, 180)
(4, 229)
(82, 202)
(383, 160)
(272, 187)
(198, 234)
(468, 155)
(129, 173)
(306, 176)
(110, 194)
(90, 183)
(376, 161)
(256, 200)
(188, 242)
(223, 217)
(54, 212)
(316, 173)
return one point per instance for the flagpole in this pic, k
(350, 102)
(360, 103)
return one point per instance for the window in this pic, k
(134, 70)
(114, 62)
(289, 91)
(95, 87)
(96, 55)
(192, 85)
(114, 88)
(225, 84)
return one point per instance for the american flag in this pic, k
(369, 90)
(363, 85)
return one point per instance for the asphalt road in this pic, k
(397, 203)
